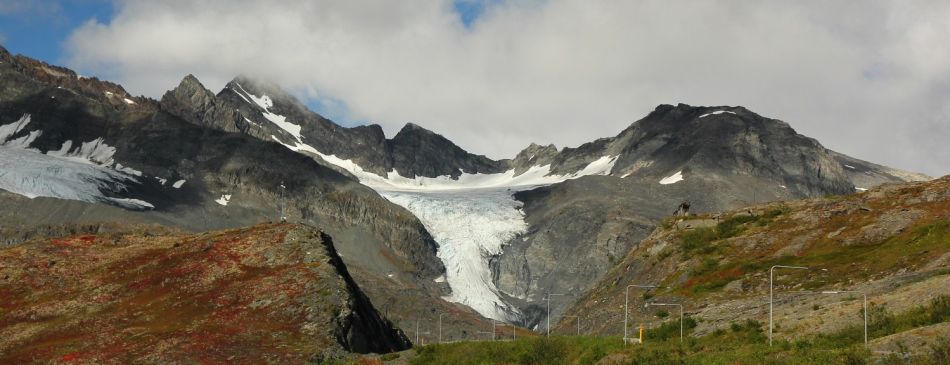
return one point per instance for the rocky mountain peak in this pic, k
(190, 100)
(413, 148)
(534, 155)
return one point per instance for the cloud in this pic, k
(872, 81)
(46, 9)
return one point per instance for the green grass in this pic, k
(883, 323)
(855, 262)
(743, 343)
(730, 348)
(700, 240)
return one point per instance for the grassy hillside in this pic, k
(891, 243)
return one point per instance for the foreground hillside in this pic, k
(268, 293)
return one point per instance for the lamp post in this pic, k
(626, 301)
(771, 291)
(681, 314)
(549, 313)
(440, 326)
(865, 308)
(493, 329)
(578, 318)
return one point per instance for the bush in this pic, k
(733, 226)
(708, 265)
(698, 239)
(940, 351)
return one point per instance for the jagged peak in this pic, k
(190, 80)
(412, 128)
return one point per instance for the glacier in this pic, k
(83, 173)
(470, 226)
(471, 216)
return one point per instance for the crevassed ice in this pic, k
(80, 173)
(470, 226)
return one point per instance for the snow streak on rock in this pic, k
(470, 226)
(716, 113)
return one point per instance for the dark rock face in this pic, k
(414, 151)
(360, 328)
(534, 155)
(414, 147)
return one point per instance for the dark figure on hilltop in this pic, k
(682, 210)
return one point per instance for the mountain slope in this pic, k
(714, 158)
(274, 292)
(889, 243)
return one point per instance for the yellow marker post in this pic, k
(641, 332)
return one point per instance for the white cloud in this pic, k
(870, 80)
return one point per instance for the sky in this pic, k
(867, 78)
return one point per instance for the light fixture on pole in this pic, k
(672, 305)
(440, 326)
(865, 308)
(549, 313)
(493, 329)
(626, 301)
(771, 291)
(578, 318)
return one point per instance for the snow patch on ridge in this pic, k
(265, 103)
(224, 199)
(717, 112)
(672, 179)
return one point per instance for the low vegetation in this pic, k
(743, 343)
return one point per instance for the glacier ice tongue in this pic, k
(470, 226)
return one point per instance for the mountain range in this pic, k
(423, 225)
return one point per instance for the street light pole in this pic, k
(549, 313)
(578, 318)
(771, 291)
(681, 314)
(626, 301)
(440, 326)
(493, 329)
(865, 308)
